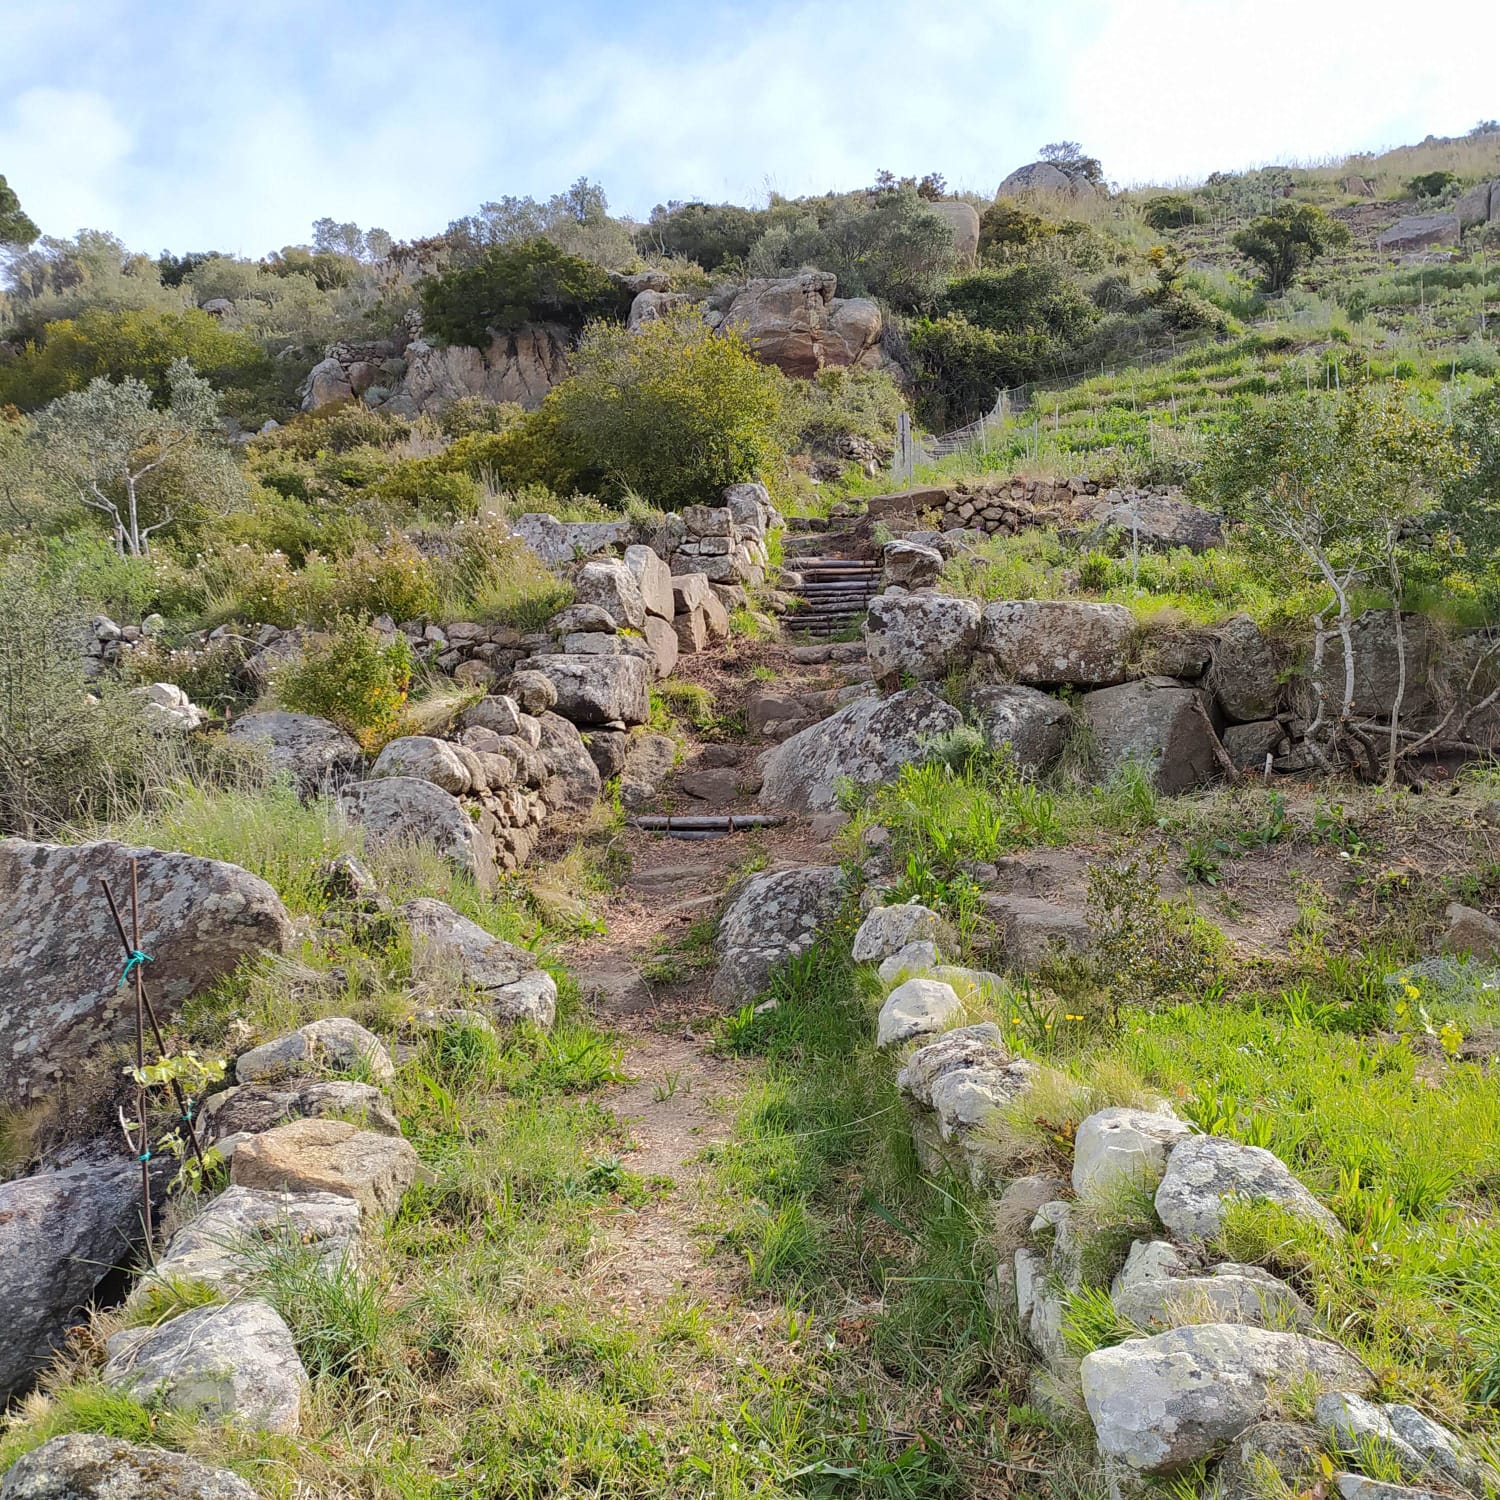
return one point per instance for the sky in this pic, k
(201, 124)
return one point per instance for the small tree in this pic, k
(1070, 157)
(133, 461)
(16, 228)
(1333, 491)
(1287, 240)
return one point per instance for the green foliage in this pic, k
(961, 369)
(352, 678)
(673, 412)
(708, 233)
(844, 401)
(1170, 211)
(514, 285)
(1284, 242)
(1431, 184)
(1027, 297)
(16, 228)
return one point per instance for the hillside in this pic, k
(846, 848)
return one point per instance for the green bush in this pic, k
(1170, 211)
(708, 233)
(961, 369)
(1284, 242)
(1029, 297)
(351, 678)
(1431, 184)
(514, 285)
(846, 401)
(673, 412)
(391, 578)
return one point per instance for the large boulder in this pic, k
(911, 565)
(1158, 723)
(61, 1004)
(405, 809)
(1242, 672)
(427, 759)
(1157, 520)
(1121, 1145)
(328, 1156)
(962, 220)
(1032, 723)
(1419, 232)
(1052, 642)
(315, 754)
(612, 586)
(61, 1234)
(796, 323)
(327, 385)
(1162, 1403)
(919, 1007)
(770, 918)
(654, 580)
(91, 1466)
(1206, 1172)
(888, 929)
(235, 1363)
(1377, 665)
(574, 783)
(448, 949)
(867, 741)
(558, 542)
(920, 635)
(598, 689)
(520, 367)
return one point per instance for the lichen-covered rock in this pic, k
(573, 784)
(919, 1007)
(1204, 1172)
(90, 1466)
(908, 960)
(557, 542)
(210, 1247)
(796, 323)
(920, 635)
(1157, 723)
(427, 759)
(448, 947)
(1162, 1403)
(1051, 642)
(235, 1363)
(888, 929)
(252, 1107)
(534, 692)
(317, 755)
(770, 918)
(911, 565)
(1359, 1487)
(405, 809)
(61, 1234)
(1242, 672)
(598, 689)
(334, 1044)
(1123, 1145)
(654, 580)
(61, 1004)
(329, 1156)
(1030, 931)
(1288, 1449)
(1158, 1288)
(1248, 745)
(1348, 1420)
(1033, 724)
(613, 587)
(866, 741)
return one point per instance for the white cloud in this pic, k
(64, 150)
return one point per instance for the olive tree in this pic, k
(1287, 240)
(139, 464)
(1334, 491)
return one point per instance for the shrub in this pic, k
(1287, 240)
(708, 233)
(1431, 184)
(1030, 297)
(1170, 211)
(392, 578)
(350, 677)
(501, 581)
(427, 486)
(961, 369)
(673, 412)
(843, 402)
(516, 284)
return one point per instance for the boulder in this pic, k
(404, 809)
(1122, 1145)
(648, 762)
(447, 948)
(234, 1363)
(583, 619)
(911, 566)
(919, 1007)
(497, 712)
(1159, 521)
(796, 323)
(920, 635)
(317, 755)
(1377, 665)
(250, 1108)
(61, 1234)
(612, 585)
(167, 707)
(1247, 745)
(1418, 231)
(521, 367)
(61, 1005)
(1157, 1289)
(962, 220)
(1162, 1403)
(598, 689)
(1030, 932)
(427, 759)
(908, 960)
(90, 1466)
(888, 929)
(558, 542)
(1359, 1487)
(866, 741)
(1287, 1449)
(1052, 642)
(1438, 1447)
(661, 637)
(209, 1247)
(534, 692)
(1046, 178)
(1471, 931)
(607, 749)
(1473, 208)
(1242, 671)
(654, 580)
(771, 917)
(691, 630)
(334, 1044)
(1032, 723)
(1347, 1420)
(1205, 1171)
(327, 385)
(574, 783)
(1157, 723)
(329, 1156)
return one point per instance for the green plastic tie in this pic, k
(136, 959)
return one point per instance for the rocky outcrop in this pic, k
(61, 1234)
(1046, 178)
(334, 1044)
(770, 918)
(962, 220)
(61, 1005)
(405, 809)
(90, 1466)
(866, 741)
(917, 1007)
(797, 324)
(520, 367)
(923, 636)
(315, 754)
(1418, 232)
